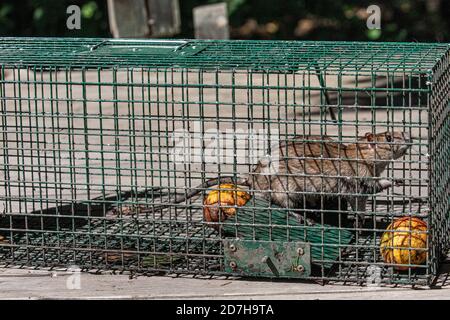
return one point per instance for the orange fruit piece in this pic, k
(221, 202)
(405, 242)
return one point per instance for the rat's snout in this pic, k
(403, 143)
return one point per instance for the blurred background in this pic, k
(401, 20)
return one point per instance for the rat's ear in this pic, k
(369, 136)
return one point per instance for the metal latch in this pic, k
(274, 259)
(147, 47)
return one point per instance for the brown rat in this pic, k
(311, 166)
(307, 169)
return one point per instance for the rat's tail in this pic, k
(209, 183)
(193, 192)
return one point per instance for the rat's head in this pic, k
(389, 144)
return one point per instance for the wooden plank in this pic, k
(128, 18)
(164, 17)
(144, 18)
(32, 284)
(211, 21)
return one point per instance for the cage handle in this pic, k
(147, 43)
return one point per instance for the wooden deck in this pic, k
(40, 284)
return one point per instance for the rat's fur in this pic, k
(309, 169)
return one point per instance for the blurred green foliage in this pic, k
(402, 20)
(48, 18)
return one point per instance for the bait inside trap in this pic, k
(111, 150)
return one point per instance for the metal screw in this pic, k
(233, 247)
(233, 265)
(299, 268)
(300, 251)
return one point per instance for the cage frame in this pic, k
(430, 61)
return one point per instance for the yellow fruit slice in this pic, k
(405, 242)
(221, 202)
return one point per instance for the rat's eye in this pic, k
(388, 138)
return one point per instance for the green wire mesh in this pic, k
(216, 54)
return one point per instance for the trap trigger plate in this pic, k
(271, 259)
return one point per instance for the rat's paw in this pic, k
(399, 182)
(384, 183)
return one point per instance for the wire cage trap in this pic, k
(312, 160)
